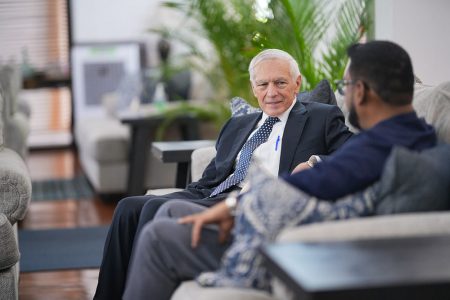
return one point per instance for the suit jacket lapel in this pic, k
(241, 135)
(291, 136)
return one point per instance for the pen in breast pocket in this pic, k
(276, 143)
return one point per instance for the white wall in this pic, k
(423, 29)
(122, 20)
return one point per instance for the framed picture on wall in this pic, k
(98, 69)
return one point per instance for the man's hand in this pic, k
(301, 167)
(218, 214)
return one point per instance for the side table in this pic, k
(403, 268)
(142, 127)
(180, 153)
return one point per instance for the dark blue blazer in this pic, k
(312, 128)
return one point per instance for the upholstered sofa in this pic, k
(15, 195)
(432, 103)
(103, 149)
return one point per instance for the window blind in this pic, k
(35, 32)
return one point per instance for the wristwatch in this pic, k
(313, 159)
(231, 203)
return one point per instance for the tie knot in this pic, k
(271, 120)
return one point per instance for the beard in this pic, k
(353, 117)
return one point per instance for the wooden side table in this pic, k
(403, 268)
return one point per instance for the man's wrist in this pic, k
(231, 203)
(313, 159)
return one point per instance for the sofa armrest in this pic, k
(15, 186)
(390, 226)
(9, 252)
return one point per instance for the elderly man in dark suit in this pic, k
(286, 134)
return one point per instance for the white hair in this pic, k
(274, 54)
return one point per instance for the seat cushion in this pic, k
(104, 139)
(190, 290)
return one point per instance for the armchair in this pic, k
(15, 195)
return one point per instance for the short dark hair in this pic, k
(386, 68)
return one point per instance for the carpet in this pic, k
(62, 189)
(61, 249)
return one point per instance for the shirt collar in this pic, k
(284, 116)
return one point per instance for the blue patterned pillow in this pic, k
(240, 107)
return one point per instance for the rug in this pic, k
(62, 189)
(61, 249)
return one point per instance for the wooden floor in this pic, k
(51, 164)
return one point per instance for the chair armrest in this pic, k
(391, 226)
(15, 186)
(200, 158)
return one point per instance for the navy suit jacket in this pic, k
(312, 128)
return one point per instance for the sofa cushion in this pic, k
(104, 139)
(413, 182)
(321, 93)
(433, 104)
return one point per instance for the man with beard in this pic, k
(378, 91)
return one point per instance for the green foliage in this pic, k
(302, 28)
(315, 32)
(217, 112)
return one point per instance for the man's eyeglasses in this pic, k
(340, 85)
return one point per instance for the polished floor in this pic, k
(69, 213)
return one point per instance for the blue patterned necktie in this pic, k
(260, 137)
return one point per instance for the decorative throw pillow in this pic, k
(433, 104)
(240, 107)
(413, 182)
(321, 93)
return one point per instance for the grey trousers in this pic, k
(164, 257)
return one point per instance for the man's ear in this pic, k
(360, 92)
(298, 83)
(253, 88)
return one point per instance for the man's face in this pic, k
(274, 87)
(349, 102)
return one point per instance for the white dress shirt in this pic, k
(268, 154)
